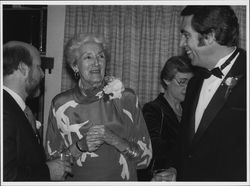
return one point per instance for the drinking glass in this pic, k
(164, 175)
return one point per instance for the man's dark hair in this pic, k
(12, 56)
(218, 19)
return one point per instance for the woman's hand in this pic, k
(95, 137)
(93, 141)
(99, 133)
(89, 143)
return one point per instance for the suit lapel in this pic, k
(18, 112)
(211, 111)
(193, 109)
(219, 99)
(192, 98)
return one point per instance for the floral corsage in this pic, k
(38, 124)
(113, 89)
(230, 82)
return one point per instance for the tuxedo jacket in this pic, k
(23, 157)
(217, 151)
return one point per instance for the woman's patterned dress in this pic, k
(72, 114)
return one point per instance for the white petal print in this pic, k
(146, 151)
(50, 150)
(84, 156)
(64, 125)
(128, 114)
(125, 172)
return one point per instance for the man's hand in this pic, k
(58, 169)
(165, 175)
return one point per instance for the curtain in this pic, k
(140, 38)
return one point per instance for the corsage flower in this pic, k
(230, 82)
(112, 90)
(38, 124)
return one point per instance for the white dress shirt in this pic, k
(209, 88)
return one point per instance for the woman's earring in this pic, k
(76, 74)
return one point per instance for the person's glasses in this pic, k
(181, 82)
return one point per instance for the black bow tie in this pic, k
(217, 71)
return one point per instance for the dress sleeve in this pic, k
(138, 132)
(54, 142)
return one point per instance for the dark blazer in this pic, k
(217, 151)
(23, 157)
(163, 127)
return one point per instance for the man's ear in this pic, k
(24, 69)
(210, 38)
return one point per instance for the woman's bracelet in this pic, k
(66, 154)
(132, 151)
(78, 147)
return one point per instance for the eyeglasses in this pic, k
(182, 82)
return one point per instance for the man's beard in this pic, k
(33, 91)
(33, 87)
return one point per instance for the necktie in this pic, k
(32, 120)
(218, 71)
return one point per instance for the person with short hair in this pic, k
(24, 158)
(163, 116)
(214, 112)
(98, 122)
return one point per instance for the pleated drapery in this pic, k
(140, 39)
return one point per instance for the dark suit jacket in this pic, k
(23, 157)
(217, 151)
(163, 127)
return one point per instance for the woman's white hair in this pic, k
(72, 48)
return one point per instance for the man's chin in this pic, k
(35, 93)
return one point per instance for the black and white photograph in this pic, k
(124, 92)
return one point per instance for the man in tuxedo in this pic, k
(214, 113)
(23, 154)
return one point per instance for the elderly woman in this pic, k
(163, 115)
(98, 123)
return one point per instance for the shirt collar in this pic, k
(16, 97)
(222, 60)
